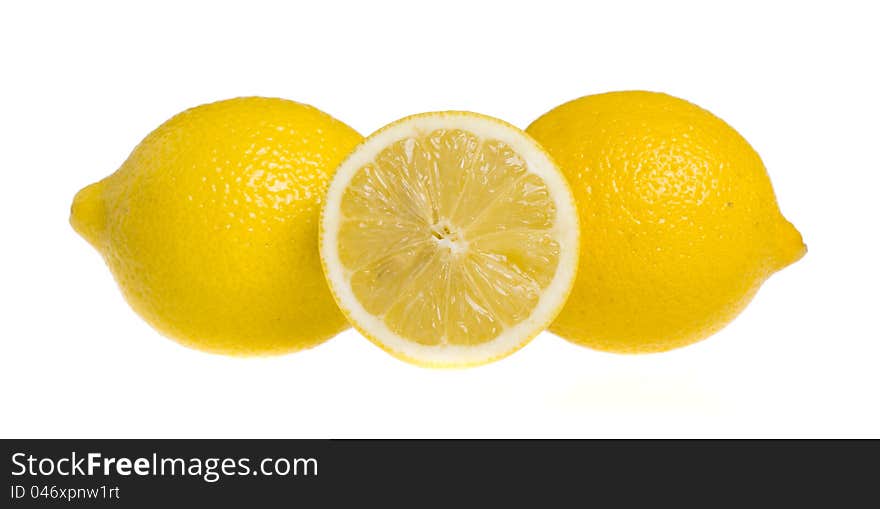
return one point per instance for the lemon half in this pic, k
(449, 239)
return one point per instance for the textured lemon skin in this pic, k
(679, 222)
(211, 225)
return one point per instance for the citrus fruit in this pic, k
(449, 239)
(679, 222)
(211, 225)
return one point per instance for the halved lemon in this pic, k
(449, 239)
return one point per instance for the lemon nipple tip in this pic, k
(87, 213)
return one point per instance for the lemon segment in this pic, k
(449, 239)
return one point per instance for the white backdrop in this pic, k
(83, 82)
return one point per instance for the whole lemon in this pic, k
(679, 222)
(211, 225)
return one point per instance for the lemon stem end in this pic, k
(87, 214)
(791, 247)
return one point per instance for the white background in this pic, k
(83, 82)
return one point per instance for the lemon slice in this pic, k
(449, 239)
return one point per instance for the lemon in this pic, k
(449, 239)
(680, 225)
(211, 225)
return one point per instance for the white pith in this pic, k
(564, 232)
